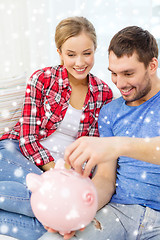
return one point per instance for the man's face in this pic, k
(131, 78)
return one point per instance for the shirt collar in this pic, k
(92, 85)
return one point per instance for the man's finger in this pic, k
(69, 150)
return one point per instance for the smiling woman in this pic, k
(61, 104)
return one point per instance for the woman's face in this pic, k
(77, 54)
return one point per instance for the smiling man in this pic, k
(129, 143)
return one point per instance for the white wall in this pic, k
(27, 30)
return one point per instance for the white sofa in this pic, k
(11, 99)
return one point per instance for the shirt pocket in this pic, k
(52, 111)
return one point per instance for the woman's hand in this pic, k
(65, 236)
(48, 166)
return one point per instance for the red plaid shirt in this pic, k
(46, 101)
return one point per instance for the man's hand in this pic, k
(91, 151)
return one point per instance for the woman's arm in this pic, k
(30, 129)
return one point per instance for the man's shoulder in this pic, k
(111, 109)
(114, 103)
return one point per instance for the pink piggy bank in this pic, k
(62, 199)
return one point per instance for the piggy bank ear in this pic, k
(88, 197)
(33, 181)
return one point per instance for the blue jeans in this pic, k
(16, 217)
(119, 222)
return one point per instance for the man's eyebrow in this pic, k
(124, 71)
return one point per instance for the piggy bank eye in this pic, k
(88, 198)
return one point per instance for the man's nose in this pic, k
(120, 82)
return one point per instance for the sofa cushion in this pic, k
(12, 93)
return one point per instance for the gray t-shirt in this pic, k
(137, 182)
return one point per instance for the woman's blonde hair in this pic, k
(73, 26)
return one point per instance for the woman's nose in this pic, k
(79, 61)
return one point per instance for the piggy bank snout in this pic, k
(88, 197)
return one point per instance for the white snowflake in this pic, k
(125, 121)
(14, 229)
(135, 233)
(150, 228)
(38, 161)
(14, 104)
(55, 148)
(105, 210)
(21, 120)
(48, 72)
(147, 120)
(4, 229)
(65, 193)
(2, 199)
(70, 111)
(83, 117)
(42, 206)
(144, 175)
(6, 129)
(47, 114)
(72, 214)
(28, 90)
(42, 132)
(10, 147)
(5, 113)
(34, 110)
(38, 122)
(147, 139)
(18, 172)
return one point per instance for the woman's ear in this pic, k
(60, 54)
(59, 51)
(153, 65)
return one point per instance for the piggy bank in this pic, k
(62, 199)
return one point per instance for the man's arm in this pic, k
(96, 150)
(105, 182)
(143, 149)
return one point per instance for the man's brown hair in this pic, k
(134, 39)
